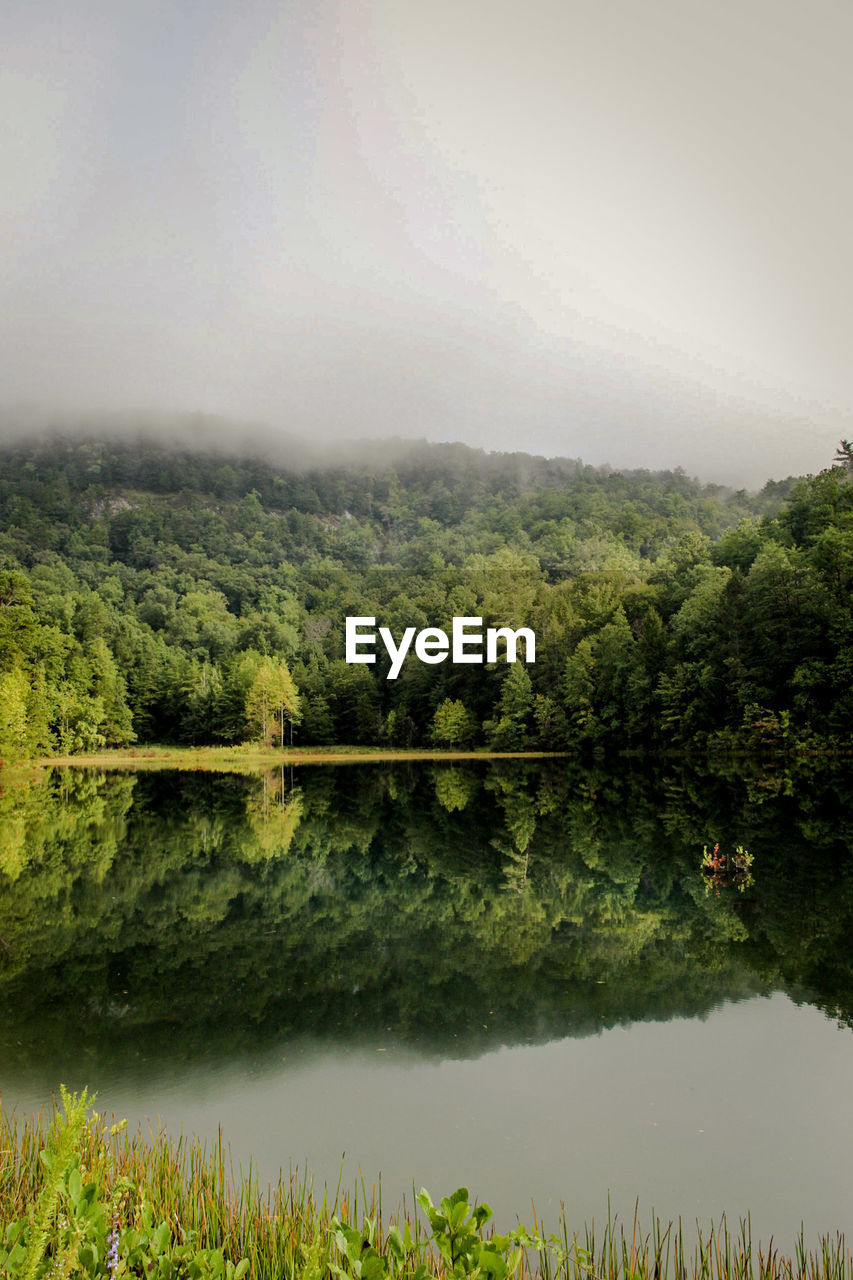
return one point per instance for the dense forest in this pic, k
(150, 593)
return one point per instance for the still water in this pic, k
(510, 975)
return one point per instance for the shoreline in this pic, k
(229, 759)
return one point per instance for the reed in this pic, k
(286, 1232)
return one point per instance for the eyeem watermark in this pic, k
(432, 645)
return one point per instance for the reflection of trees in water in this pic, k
(454, 785)
(273, 815)
(551, 899)
(59, 842)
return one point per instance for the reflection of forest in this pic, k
(454, 907)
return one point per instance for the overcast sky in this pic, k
(612, 229)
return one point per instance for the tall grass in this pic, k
(286, 1232)
(283, 1229)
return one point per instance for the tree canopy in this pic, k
(154, 594)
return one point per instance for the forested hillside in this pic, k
(154, 594)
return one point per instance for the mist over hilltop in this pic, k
(197, 433)
(157, 593)
(581, 230)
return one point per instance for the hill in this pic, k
(159, 593)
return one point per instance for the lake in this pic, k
(514, 975)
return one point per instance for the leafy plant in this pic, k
(77, 1225)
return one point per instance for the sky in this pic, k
(610, 229)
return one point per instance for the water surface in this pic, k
(511, 975)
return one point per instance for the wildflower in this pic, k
(112, 1246)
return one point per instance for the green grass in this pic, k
(285, 1230)
(249, 758)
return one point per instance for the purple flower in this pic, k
(112, 1248)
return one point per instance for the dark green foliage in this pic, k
(135, 580)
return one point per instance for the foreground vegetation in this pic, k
(79, 1198)
(153, 595)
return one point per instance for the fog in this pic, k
(601, 230)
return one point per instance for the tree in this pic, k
(109, 685)
(844, 455)
(14, 694)
(510, 731)
(18, 625)
(272, 699)
(452, 723)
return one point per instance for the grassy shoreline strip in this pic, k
(213, 1221)
(252, 757)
